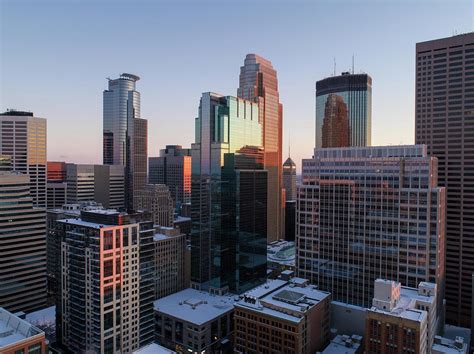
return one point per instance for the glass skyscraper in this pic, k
(258, 83)
(355, 90)
(229, 196)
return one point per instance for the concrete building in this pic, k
(156, 199)
(18, 336)
(80, 183)
(401, 319)
(282, 316)
(106, 281)
(258, 83)
(229, 196)
(195, 321)
(341, 98)
(56, 193)
(366, 212)
(444, 122)
(170, 261)
(22, 246)
(172, 168)
(23, 138)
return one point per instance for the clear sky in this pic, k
(56, 55)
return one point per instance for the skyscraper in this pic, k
(22, 246)
(445, 123)
(336, 130)
(369, 212)
(355, 91)
(56, 184)
(105, 304)
(229, 196)
(173, 168)
(289, 179)
(125, 133)
(23, 138)
(156, 199)
(258, 83)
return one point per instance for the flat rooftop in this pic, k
(343, 344)
(194, 306)
(13, 329)
(153, 348)
(287, 300)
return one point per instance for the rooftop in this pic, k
(282, 252)
(288, 300)
(153, 348)
(197, 307)
(344, 344)
(13, 329)
(448, 346)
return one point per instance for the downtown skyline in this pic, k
(173, 76)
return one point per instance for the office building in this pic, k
(195, 321)
(172, 168)
(289, 179)
(106, 281)
(101, 183)
(401, 319)
(258, 83)
(109, 184)
(367, 212)
(290, 220)
(156, 199)
(282, 316)
(57, 171)
(170, 261)
(229, 196)
(125, 133)
(22, 246)
(444, 122)
(56, 194)
(23, 138)
(5, 163)
(18, 336)
(337, 97)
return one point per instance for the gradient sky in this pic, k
(56, 55)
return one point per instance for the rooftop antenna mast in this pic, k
(334, 66)
(352, 64)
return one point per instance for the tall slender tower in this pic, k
(445, 123)
(125, 133)
(259, 83)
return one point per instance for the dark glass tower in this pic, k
(229, 196)
(445, 123)
(356, 92)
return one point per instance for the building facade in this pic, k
(401, 319)
(229, 196)
(444, 122)
(367, 212)
(156, 199)
(284, 317)
(106, 300)
(172, 168)
(335, 95)
(289, 179)
(22, 246)
(258, 83)
(170, 261)
(23, 138)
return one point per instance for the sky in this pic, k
(55, 57)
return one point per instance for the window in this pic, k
(108, 240)
(34, 349)
(108, 268)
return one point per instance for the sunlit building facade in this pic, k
(258, 83)
(365, 213)
(355, 91)
(229, 196)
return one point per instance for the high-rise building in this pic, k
(336, 95)
(282, 316)
(56, 194)
(107, 270)
(22, 246)
(444, 122)
(57, 171)
(401, 318)
(172, 168)
(156, 199)
(125, 133)
(290, 220)
(170, 261)
(335, 130)
(289, 179)
(101, 183)
(370, 212)
(229, 196)
(258, 83)
(23, 138)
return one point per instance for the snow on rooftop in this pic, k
(343, 344)
(46, 316)
(197, 307)
(153, 349)
(13, 329)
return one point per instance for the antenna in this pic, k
(289, 143)
(352, 64)
(334, 66)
